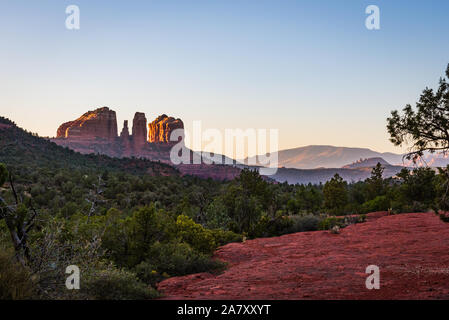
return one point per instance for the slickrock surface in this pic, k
(159, 130)
(412, 251)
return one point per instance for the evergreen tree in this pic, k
(335, 194)
(426, 127)
(375, 185)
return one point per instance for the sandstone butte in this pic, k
(96, 132)
(411, 250)
(160, 129)
(100, 123)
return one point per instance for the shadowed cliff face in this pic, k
(139, 129)
(159, 130)
(125, 130)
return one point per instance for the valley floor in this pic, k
(411, 250)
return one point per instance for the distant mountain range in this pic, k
(321, 175)
(97, 134)
(317, 156)
(318, 164)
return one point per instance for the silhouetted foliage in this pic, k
(425, 127)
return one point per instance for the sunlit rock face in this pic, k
(62, 130)
(96, 132)
(100, 123)
(159, 130)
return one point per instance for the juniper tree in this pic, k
(425, 127)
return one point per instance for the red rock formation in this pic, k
(62, 130)
(100, 123)
(81, 135)
(410, 250)
(159, 130)
(125, 141)
(139, 130)
(125, 130)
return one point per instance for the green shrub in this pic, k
(146, 272)
(69, 209)
(174, 259)
(216, 216)
(412, 207)
(304, 223)
(15, 280)
(195, 235)
(270, 227)
(223, 237)
(116, 284)
(341, 222)
(329, 223)
(379, 203)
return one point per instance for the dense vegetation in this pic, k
(130, 223)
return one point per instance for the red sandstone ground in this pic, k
(412, 251)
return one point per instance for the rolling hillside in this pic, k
(21, 149)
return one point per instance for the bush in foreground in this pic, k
(174, 259)
(15, 280)
(116, 284)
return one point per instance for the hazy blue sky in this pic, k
(309, 68)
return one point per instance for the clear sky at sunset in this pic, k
(309, 68)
